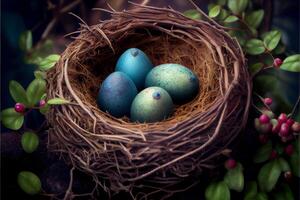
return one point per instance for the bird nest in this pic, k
(122, 155)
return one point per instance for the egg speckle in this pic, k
(179, 81)
(116, 94)
(151, 105)
(136, 64)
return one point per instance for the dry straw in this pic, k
(148, 157)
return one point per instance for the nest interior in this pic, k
(122, 155)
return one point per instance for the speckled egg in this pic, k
(136, 64)
(179, 81)
(116, 94)
(151, 105)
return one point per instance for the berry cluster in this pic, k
(21, 108)
(283, 127)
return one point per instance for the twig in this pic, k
(69, 190)
(56, 18)
(296, 107)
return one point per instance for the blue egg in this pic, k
(136, 64)
(151, 105)
(116, 94)
(179, 81)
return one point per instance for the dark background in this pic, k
(17, 16)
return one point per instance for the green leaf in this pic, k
(193, 14)
(57, 101)
(221, 2)
(217, 191)
(256, 67)
(251, 190)
(231, 19)
(18, 93)
(223, 14)
(271, 39)
(48, 62)
(237, 6)
(29, 182)
(25, 40)
(234, 178)
(44, 109)
(35, 91)
(295, 163)
(11, 119)
(29, 142)
(254, 47)
(215, 11)
(284, 192)
(255, 18)
(291, 63)
(263, 153)
(39, 74)
(279, 49)
(268, 175)
(284, 165)
(261, 196)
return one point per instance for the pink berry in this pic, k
(264, 119)
(282, 118)
(273, 154)
(42, 103)
(290, 122)
(288, 176)
(296, 127)
(268, 101)
(284, 130)
(19, 107)
(289, 150)
(277, 62)
(276, 126)
(230, 163)
(263, 138)
(265, 128)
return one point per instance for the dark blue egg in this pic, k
(116, 94)
(136, 64)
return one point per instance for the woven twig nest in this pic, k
(123, 155)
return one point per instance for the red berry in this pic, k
(19, 107)
(282, 118)
(290, 122)
(42, 103)
(284, 130)
(265, 128)
(276, 126)
(288, 176)
(296, 127)
(263, 138)
(273, 154)
(286, 139)
(268, 101)
(289, 150)
(230, 163)
(264, 119)
(277, 62)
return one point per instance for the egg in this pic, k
(179, 81)
(136, 64)
(151, 105)
(116, 94)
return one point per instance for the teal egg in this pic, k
(151, 105)
(116, 94)
(179, 81)
(136, 64)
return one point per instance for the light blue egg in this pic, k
(136, 64)
(179, 81)
(116, 94)
(152, 104)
